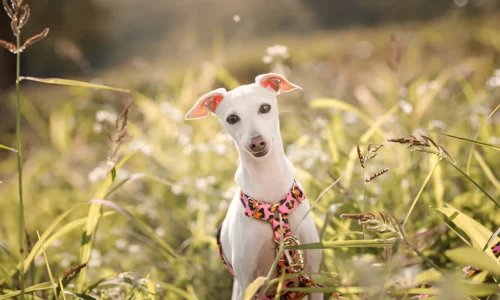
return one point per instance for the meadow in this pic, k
(122, 196)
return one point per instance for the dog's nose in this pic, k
(257, 143)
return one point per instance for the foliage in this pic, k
(135, 218)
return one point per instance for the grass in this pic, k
(127, 203)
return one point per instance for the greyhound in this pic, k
(268, 191)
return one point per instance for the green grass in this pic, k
(145, 221)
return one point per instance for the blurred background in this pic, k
(405, 65)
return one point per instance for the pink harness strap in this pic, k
(270, 213)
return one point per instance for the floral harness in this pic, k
(291, 261)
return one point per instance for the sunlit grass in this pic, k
(154, 208)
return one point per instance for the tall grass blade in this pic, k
(344, 106)
(494, 111)
(35, 288)
(373, 243)
(61, 286)
(426, 182)
(477, 185)
(6, 277)
(74, 83)
(148, 231)
(49, 271)
(487, 170)
(480, 143)
(43, 239)
(253, 288)
(93, 219)
(8, 148)
(176, 290)
(319, 198)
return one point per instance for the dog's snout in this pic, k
(257, 143)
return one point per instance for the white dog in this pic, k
(247, 241)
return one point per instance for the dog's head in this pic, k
(249, 113)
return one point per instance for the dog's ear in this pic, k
(276, 83)
(207, 103)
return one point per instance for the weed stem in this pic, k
(20, 165)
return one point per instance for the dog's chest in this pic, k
(253, 239)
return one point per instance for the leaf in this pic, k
(496, 147)
(478, 234)
(254, 287)
(480, 289)
(67, 82)
(468, 256)
(37, 287)
(7, 148)
(492, 238)
(430, 275)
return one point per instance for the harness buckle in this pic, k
(295, 261)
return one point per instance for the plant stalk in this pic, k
(20, 166)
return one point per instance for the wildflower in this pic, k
(236, 18)
(276, 52)
(176, 189)
(98, 173)
(106, 116)
(405, 106)
(494, 81)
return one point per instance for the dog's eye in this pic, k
(232, 119)
(265, 108)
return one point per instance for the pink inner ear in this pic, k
(212, 103)
(272, 83)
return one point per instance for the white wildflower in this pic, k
(236, 18)
(211, 179)
(134, 248)
(276, 52)
(188, 150)
(201, 183)
(99, 173)
(349, 117)
(121, 244)
(95, 259)
(160, 231)
(176, 189)
(104, 115)
(405, 106)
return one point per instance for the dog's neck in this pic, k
(268, 178)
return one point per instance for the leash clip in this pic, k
(295, 261)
